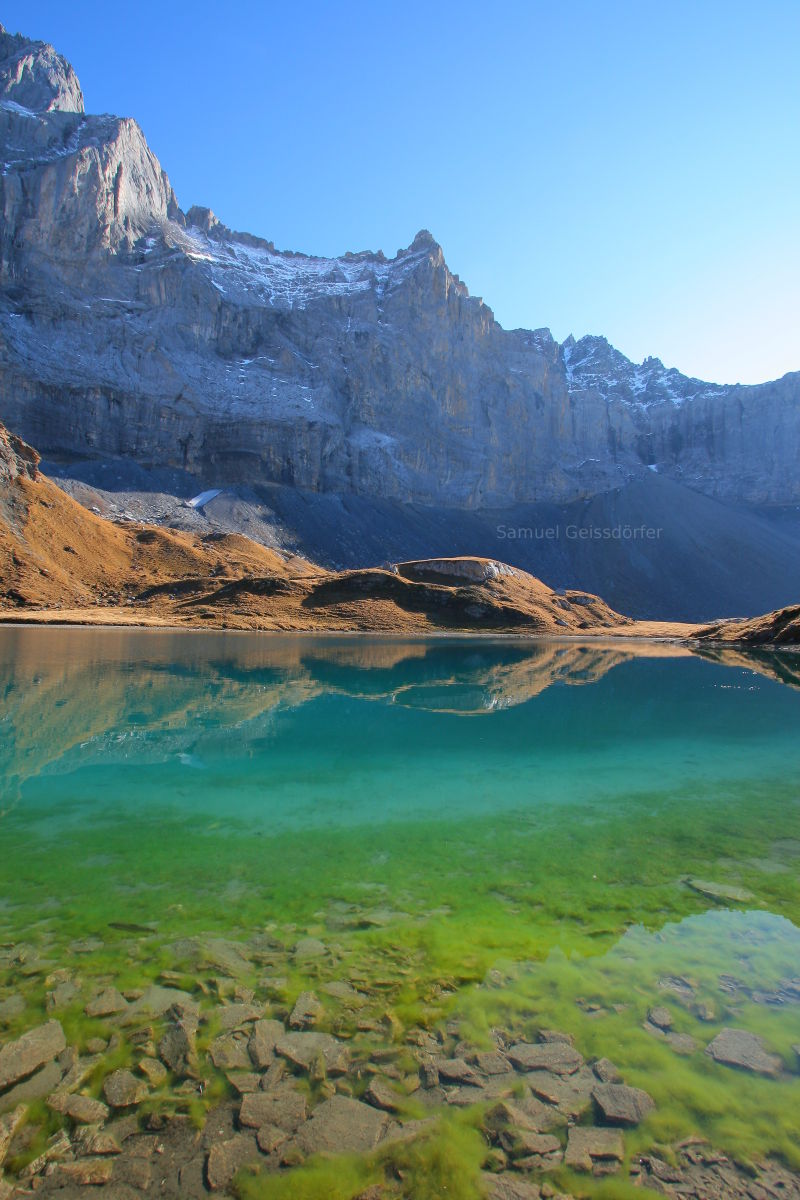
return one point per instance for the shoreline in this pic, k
(662, 633)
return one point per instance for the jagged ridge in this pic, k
(130, 328)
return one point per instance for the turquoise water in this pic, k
(499, 832)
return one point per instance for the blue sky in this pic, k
(630, 169)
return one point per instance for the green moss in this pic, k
(339, 1178)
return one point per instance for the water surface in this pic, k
(494, 833)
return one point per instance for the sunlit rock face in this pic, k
(128, 327)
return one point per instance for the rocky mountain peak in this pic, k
(424, 241)
(200, 217)
(36, 77)
(134, 331)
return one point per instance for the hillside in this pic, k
(59, 561)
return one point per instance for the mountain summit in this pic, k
(134, 330)
(35, 77)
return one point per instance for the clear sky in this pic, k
(601, 166)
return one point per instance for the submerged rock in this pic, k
(557, 1056)
(154, 1071)
(229, 1052)
(8, 1127)
(122, 1089)
(87, 1172)
(177, 1048)
(492, 1062)
(570, 1094)
(81, 1109)
(22, 1057)
(106, 1004)
(738, 1048)
(606, 1071)
(284, 1107)
(509, 1187)
(380, 1095)
(264, 1036)
(341, 1125)
(661, 1017)
(228, 1157)
(718, 891)
(587, 1146)
(233, 1016)
(305, 1049)
(309, 949)
(307, 1011)
(456, 1070)
(622, 1105)
(156, 1001)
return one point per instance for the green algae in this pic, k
(522, 869)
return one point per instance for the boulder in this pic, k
(83, 1110)
(557, 1056)
(229, 1052)
(341, 1125)
(284, 1108)
(123, 1090)
(227, 1157)
(661, 1017)
(264, 1036)
(177, 1049)
(509, 1187)
(87, 1172)
(456, 1070)
(587, 1146)
(738, 1048)
(380, 1095)
(32, 1050)
(622, 1105)
(233, 1016)
(305, 1050)
(307, 1011)
(106, 1004)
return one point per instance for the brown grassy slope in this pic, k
(54, 553)
(779, 628)
(60, 562)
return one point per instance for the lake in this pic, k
(445, 848)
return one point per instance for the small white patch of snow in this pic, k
(204, 498)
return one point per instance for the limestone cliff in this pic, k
(131, 328)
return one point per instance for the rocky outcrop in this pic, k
(130, 328)
(17, 458)
(779, 628)
(34, 76)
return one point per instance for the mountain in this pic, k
(133, 331)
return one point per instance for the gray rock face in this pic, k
(34, 76)
(16, 459)
(130, 328)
